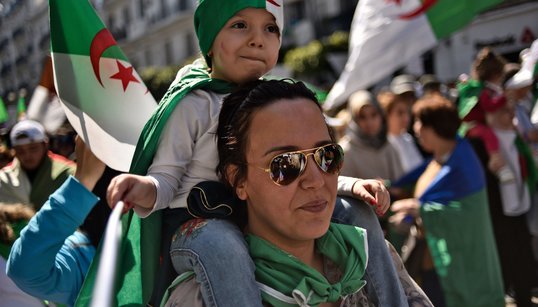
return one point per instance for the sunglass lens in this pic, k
(287, 167)
(330, 158)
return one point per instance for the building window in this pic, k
(295, 12)
(149, 60)
(164, 9)
(111, 24)
(191, 47)
(169, 53)
(141, 8)
(126, 16)
(183, 5)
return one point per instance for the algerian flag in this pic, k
(454, 209)
(21, 109)
(44, 106)
(4, 115)
(386, 35)
(104, 98)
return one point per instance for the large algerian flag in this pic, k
(387, 34)
(104, 98)
(44, 106)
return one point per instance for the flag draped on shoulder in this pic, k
(455, 214)
(385, 35)
(104, 99)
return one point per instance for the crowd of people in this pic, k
(242, 194)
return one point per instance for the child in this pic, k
(240, 41)
(480, 96)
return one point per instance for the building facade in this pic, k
(161, 32)
(150, 32)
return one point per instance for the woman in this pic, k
(398, 114)
(368, 153)
(264, 153)
(459, 266)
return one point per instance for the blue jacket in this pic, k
(50, 258)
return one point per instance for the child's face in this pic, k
(246, 47)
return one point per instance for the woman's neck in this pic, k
(395, 131)
(302, 250)
(306, 252)
(443, 148)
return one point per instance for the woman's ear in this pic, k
(240, 189)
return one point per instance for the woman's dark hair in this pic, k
(236, 115)
(438, 113)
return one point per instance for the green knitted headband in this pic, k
(212, 15)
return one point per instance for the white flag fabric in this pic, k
(44, 106)
(104, 98)
(386, 34)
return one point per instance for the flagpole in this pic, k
(106, 274)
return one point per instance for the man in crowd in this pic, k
(35, 172)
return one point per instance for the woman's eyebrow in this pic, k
(288, 148)
(281, 149)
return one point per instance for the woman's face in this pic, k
(399, 117)
(301, 211)
(369, 120)
(426, 136)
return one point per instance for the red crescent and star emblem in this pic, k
(426, 5)
(125, 74)
(100, 43)
(273, 3)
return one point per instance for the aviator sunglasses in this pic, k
(286, 167)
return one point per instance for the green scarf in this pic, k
(530, 172)
(286, 281)
(139, 251)
(468, 98)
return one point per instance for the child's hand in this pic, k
(405, 213)
(373, 192)
(496, 162)
(134, 190)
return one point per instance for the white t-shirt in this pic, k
(407, 150)
(515, 194)
(187, 150)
